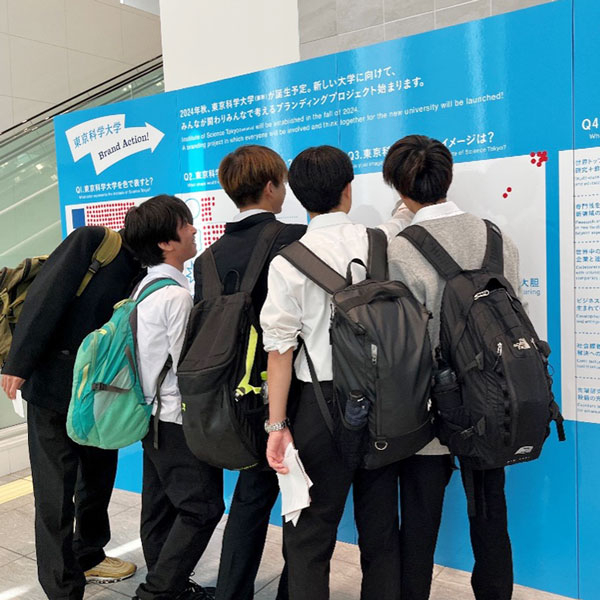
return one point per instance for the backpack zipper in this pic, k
(374, 355)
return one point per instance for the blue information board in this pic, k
(520, 115)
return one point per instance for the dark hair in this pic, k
(419, 168)
(318, 176)
(244, 173)
(154, 221)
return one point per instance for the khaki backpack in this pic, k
(15, 282)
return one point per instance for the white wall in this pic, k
(52, 49)
(209, 40)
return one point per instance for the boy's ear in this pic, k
(346, 198)
(268, 189)
(165, 246)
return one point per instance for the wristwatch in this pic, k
(269, 427)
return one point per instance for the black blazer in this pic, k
(232, 253)
(53, 321)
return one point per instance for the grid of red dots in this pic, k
(110, 214)
(206, 205)
(211, 232)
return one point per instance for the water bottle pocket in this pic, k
(356, 412)
(446, 397)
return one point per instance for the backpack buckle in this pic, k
(95, 266)
(380, 445)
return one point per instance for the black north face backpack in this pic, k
(219, 372)
(382, 359)
(496, 408)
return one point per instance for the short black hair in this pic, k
(419, 168)
(318, 176)
(154, 221)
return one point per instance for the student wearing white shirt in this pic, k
(182, 497)
(297, 308)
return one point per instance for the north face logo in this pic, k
(522, 344)
(524, 450)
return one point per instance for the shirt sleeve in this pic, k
(281, 315)
(178, 306)
(401, 219)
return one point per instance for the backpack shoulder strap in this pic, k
(310, 265)
(377, 263)
(154, 286)
(260, 254)
(211, 282)
(105, 253)
(494, 257)
(432, 250)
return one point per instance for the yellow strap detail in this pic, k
(83, 380)
(105, 253)
(244, 386)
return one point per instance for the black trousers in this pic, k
(182, 503)
(69, 482)
(423, 480)
(244, 537)
(492, 577)
(309, 545)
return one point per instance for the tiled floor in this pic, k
(18, 580)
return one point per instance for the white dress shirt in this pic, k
(295, 306)
(244, 214)
(162, 319)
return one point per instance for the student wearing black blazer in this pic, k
(254, 177)
(70, 482)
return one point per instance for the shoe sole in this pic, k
(96, 579)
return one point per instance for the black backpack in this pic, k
(493, 400)
(221, 364)
(382, 359)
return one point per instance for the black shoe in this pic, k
(193, 591)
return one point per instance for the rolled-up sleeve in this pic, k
(281, 315)
(401, 219)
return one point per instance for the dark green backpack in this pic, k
(15, 282)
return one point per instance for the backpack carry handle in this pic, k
(354, 261)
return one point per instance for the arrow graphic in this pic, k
(108, 141)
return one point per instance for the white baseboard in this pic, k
(14, 452)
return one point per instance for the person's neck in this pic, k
(415, 207)
(258, 206)
(174, 262)
(333, 210)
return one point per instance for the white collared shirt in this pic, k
(295, 306)
(436, 211)
(247, 213)
(162, 319)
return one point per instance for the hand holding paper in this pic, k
(294, 486)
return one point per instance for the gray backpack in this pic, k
(382, 361)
